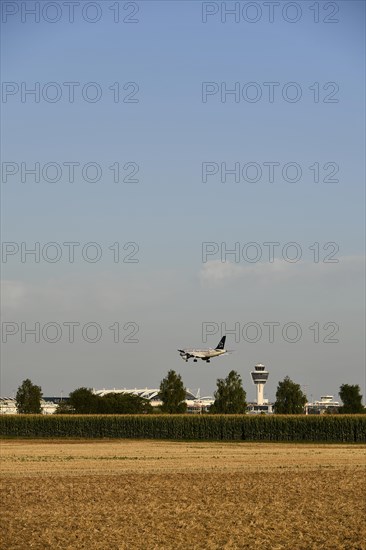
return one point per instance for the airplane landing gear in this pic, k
(194, 360)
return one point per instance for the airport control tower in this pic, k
(260, 377)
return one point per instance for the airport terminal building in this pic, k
(195, 403)
(48, 405)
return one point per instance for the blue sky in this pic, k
(169, 52)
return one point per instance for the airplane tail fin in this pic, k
(221, 344)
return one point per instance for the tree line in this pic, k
(230, 398)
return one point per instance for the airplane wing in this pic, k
(186, 353)
(192, 354)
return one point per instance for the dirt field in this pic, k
(165, 495)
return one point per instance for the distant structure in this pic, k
(48, 404)
(325, 405)
(260, 377)
(8, 405)
(195, 403)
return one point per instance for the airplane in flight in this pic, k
(204, 354)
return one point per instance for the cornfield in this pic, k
(337, 428)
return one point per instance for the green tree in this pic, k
(289, 398)
(230, 396)
(173, 394)
(119, 403)
(83, 401)
(351, 398)
(64, 408)
(28, 398)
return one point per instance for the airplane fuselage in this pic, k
(204, 354)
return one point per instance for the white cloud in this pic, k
(348, 269)
(13, 293)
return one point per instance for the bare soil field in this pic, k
(142, 495)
